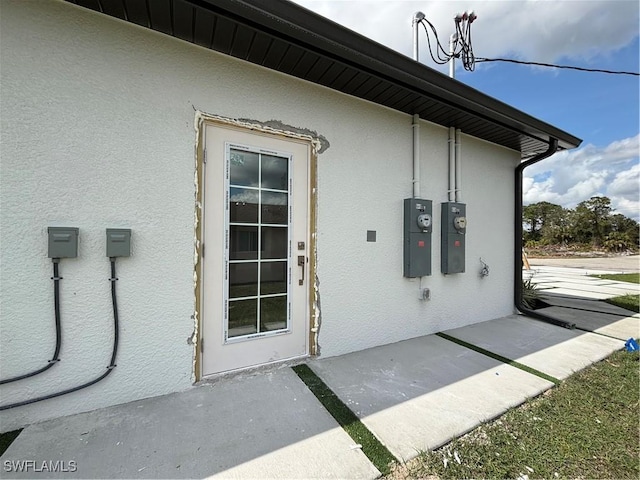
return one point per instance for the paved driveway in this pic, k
(622, 264)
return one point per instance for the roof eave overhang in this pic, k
(399, 82)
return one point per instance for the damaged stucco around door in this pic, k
(318, 144)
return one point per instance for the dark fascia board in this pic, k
(298, 25)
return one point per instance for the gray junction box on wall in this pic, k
(452, 239)
(63, 242)
(417, 237)
(118, 242)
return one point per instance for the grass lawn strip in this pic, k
(630, 301)
(500, 358)
(377, 453)
(585, 428)
(621, 277)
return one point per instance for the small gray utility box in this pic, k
(417, 237)
(63, 242)
(118, 242)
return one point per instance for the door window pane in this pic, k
(273, 278)
(243, 205)
(244, 168)
(258, 243)
(274, 242)
(243, 243)
(274, 207)
(243, 316)
(275, 172)
(273, 313)
(243, 280)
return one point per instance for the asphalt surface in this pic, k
(621, 264)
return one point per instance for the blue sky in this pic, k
(601, 109)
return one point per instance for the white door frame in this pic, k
(205, 267)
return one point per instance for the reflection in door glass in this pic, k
(273, 278)
(258, 243)
(274, 207)
(273, 313)
(275, 172)
(243, 244)
(244, 168)
(243, 205)
(274, 242)
(243, 280)
(242, 317)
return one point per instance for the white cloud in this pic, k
(568, 178)
(556, 31)
(543, 31)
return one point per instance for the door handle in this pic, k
(301, 262)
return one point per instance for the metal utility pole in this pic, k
(417, 17)
(452, 56)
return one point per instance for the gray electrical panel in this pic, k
(452, 239)
(417, 237)
(63, 242)
(118, 242)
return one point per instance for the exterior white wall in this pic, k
(97, 131)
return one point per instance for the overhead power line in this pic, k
(460, 46)
(567, 67)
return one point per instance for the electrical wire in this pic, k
(551, 65)
(112, 363)
(440, 60)
(462, 46)
(56, 308)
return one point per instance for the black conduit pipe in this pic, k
(56, 307)
(517, 278)
(112, 363)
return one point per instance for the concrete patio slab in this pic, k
(584, 304)
(597, 289)
(618, 326)
(576, 280)
(418, 394)
(617, 264)
(556, 351)
(262, 426)
(576, 293)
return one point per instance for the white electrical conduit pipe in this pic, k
(458, 163)
(416, 156)
(452, 167)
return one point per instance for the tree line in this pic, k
(592, 222)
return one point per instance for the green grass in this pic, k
(7, 438)
(371, 446)
(630, 302)
(621, 277)
(585, 428)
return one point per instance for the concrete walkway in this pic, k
(617, 264)
(575, 296)
(255, 426)
(413, 395)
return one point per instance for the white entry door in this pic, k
(256, 237)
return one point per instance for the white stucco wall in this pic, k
(97, 131)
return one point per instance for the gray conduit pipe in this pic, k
(517, 277)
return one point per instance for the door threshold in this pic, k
(254, 370)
